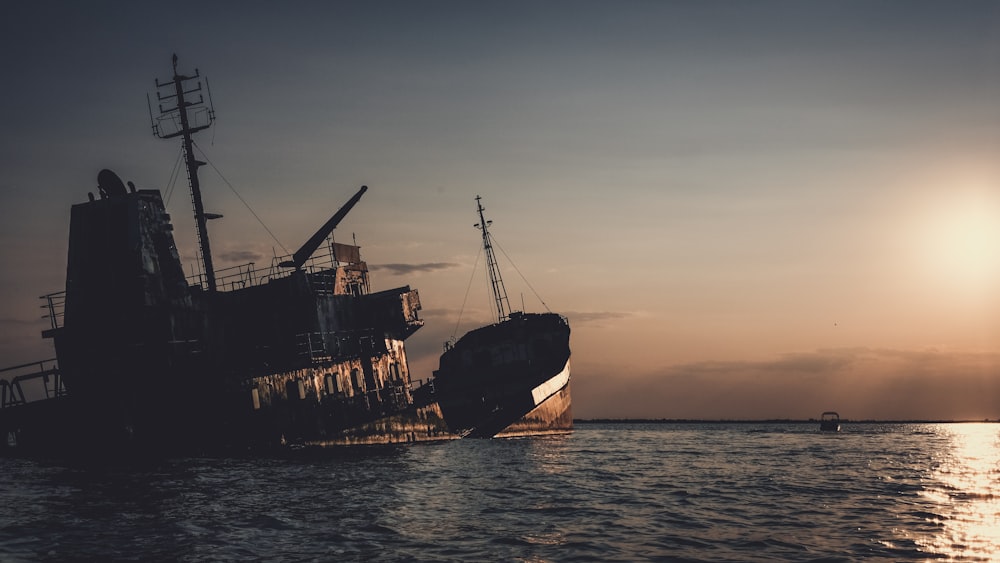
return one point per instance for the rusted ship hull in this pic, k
(269, 413)
(554, 415)
(317, 407)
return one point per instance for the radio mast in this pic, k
(183, 119)
(496, 282)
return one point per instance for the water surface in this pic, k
(668, 492)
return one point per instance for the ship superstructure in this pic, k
(300, 352)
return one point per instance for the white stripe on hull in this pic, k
(550, 387)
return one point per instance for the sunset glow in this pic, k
(754, 210)
(963, 240)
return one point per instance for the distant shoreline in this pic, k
(763, 421)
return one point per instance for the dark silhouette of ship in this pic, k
(509, 378)
(298, 353)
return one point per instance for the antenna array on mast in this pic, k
(182, 118)
(496, 282)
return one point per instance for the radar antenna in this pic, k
(182, 119)
(496, 282)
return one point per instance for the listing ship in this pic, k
(510, 378)
(301, 352)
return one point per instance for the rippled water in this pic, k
(686, 492)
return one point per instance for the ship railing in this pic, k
(55, 307)
(315, 263)
(237, 277)
(322, 261)
(197, 280)
(228, 279)
(247, 275)
(418, 384)
(46, 380)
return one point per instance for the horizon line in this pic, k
(768, 420)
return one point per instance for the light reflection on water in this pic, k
(966, 483)
(621, 492)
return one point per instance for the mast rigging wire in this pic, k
(466, 298)
(173, 176)
(518, 270)
(233, 189)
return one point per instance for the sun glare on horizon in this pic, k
(956, 241)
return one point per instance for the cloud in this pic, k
(860, 383)
(241, 256)
(819, 363)
(404, 269)
(580, 317)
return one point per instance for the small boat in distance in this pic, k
(829, 422)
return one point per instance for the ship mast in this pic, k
(496, 282)
(203, 118)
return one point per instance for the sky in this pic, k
(746, 210)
